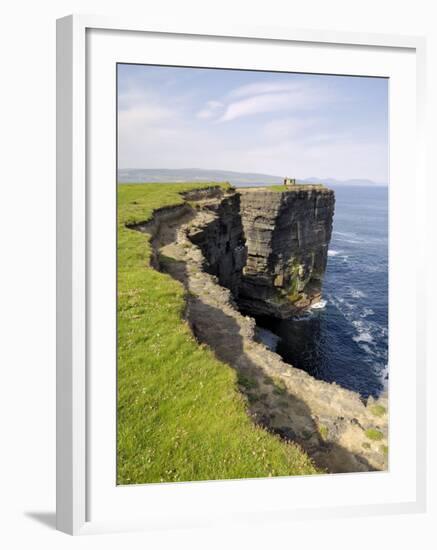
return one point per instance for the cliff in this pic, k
(269, 247)
(287, 236)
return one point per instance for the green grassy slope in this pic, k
(297, 187)
(180, 414)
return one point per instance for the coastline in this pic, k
(339, 430)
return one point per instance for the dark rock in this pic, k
(287, 236)
(286, 433)
(269, 247)
(222, 242)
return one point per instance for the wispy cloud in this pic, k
(265, 103)
(256, 88)
(263, 97)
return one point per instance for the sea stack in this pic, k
(287, 234)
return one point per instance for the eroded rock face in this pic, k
(287, 236)
(218, 232)
(268, 247)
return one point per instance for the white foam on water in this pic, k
(366, 348)
(355, 293)
(363, 336)
(333, 252)
(366, 332)
(319, 305)
(367, 311)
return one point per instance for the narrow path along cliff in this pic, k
(203, 244)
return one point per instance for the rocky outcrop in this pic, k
(287, 236)
(268, 247)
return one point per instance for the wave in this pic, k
(333, 252)
(363, 337)
(368, 334)
(366, 312)
(366, 348)
(364, 331)
(319, 305)
(356, 293)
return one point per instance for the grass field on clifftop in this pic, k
(180, 414)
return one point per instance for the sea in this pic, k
(345, 339)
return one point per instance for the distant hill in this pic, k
(238, 179)
(356, 182)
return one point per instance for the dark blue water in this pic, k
(347, 341)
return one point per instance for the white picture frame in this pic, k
(74, 461)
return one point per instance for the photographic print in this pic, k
(252, 274)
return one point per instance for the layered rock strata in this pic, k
(222, 240)
(287, 236)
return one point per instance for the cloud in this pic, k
(256, 88)
(263, 97)
(210, 110)
(265, 103)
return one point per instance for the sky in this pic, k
(283, 124)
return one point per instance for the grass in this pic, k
(324, 432)
(247, 382)
(279, 386)
(296, 187)
(373, 434)
(378, 410)
(181, 416)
